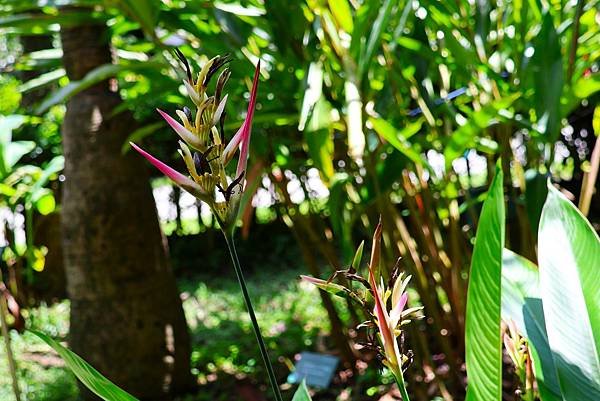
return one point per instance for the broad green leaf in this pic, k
(301, 393)
(482, 332)
(586, 86)
(36, 22)
(89, 376)
(238, 9)
(569, 258)
(14, 151)
(522, 304)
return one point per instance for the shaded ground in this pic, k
(225, 359)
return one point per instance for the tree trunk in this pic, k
(126, 314)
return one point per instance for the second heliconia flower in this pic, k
(202, 144)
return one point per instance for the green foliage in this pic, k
(89, 376)
(412, 82)
(483, 341)
(556, 306)
(522, 304)
(569, 256)
(301, 393)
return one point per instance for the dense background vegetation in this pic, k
(366, 109)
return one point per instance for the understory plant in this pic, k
(203, 132)
(386, 322)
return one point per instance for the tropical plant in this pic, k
(550, 311)
(400, 109)
(555, 304)
(388, 324)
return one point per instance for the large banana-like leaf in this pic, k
(89, 376)
(483, 340)
(522, 304)
(569, 258)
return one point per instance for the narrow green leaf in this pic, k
(379, 25)
(342, 13)
(547, 69)
(319, 139)
(140, 133)
(301, 393)
(569, 258)
(358, 256)
(145, 12)
(93, 77)
(398, 139)
(89, 376)
(483, 340)
(465, 136)
(42, 80)
(332, 288)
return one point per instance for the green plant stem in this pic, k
(401, 386)
(259, 337)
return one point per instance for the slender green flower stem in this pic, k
(259, 338)
(401, 386)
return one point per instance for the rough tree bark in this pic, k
(126, 314)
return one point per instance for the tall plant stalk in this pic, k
(259, 338)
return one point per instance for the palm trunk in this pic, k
(126, 314)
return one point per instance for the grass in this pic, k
(225, 358)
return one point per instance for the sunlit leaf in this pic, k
(569, 257)
(482, 328)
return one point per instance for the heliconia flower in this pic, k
(242, 136)
(178, 178)
(517, 349)
(387, 322)
(384, 323)
(185, 134)
(206, 165)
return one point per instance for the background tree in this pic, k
(117, 272)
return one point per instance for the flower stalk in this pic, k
(206, 156)
(259, 338)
